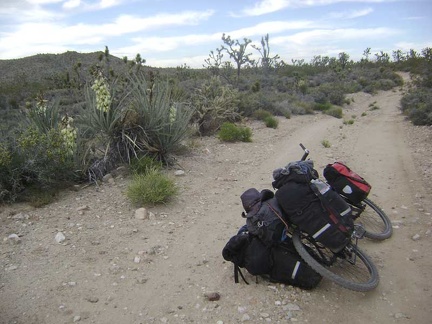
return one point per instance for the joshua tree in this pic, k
(237, 51)
(266, 61)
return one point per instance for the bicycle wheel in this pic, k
(351, 268)
(375, 222)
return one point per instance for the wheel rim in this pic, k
(361, 276)
(375, 222)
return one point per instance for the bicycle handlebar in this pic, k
(306, 152)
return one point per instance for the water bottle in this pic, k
(319, 185)
(330, 198)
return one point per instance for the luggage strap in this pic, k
(236, 273)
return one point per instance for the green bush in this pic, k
(144, 164)
(417, 105)
(35, 159)
(325, 143)
(261, 114)
(230, 132)
(151, 188)
(322, 106)
(334, 111)
(271, 122)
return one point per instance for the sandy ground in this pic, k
(115, 268)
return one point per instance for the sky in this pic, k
(171, 33)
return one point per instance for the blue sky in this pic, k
(176, 32)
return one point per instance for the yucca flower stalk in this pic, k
(69, 135)
(103, 95)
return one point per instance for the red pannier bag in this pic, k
(346, 182)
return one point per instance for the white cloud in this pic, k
(71, 4)
(192, 61)
(271, 27)
(335, 35)
(329, 42)
(265, 7)
(268, 6)
(350, 14)
(43, 2)
(54, 35)
(406, 46)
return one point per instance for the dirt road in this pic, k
(115, 268)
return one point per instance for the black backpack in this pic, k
(297, 171)
(279, 262)
(264, 218)
(326, 216)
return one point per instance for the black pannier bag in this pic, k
(289, 268)
(278, 263)
(325, 216)
(346, 182)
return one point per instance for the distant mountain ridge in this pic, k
(39, 67)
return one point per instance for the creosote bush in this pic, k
(230, 132)
(151, 187)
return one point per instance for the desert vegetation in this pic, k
(73, 117)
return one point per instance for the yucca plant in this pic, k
(43, 115)
(159, 121)
(101, 141)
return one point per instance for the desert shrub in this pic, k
(40, 153)
(11, 182)
(230, 132)
(325, 143)
(271, 122)
(261, 114)
(35, 159)
(329, 92)
(256, 87)
(142, 165)
(45, 157)
(417, 105)
(322, 106)
(214, 103)
(334, 111)
(287, 114)
(352, 87)
(38, 198)
(152, 187)
(248, 103)
(386, 84)
(373, 107)
(301, 108)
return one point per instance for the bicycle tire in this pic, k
(360, 276)
(376, 223)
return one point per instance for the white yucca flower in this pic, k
(69, 134)
(103, 96)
